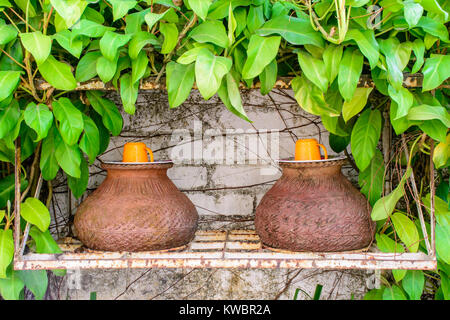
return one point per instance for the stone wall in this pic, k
(224, 165)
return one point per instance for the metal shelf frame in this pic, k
(220, 249)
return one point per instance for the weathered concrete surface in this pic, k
(224, 165)
(209, 284)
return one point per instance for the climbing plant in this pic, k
(49, 47)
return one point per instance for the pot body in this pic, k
(313, 207)
(136, 208)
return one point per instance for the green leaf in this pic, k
(371, 180)
(338, 143)
(310, 97)
(90, 141)
(240, 15)
(366, 43)
(413, 283)
(7, 33)
(14, 49)
(255, 18)
(152, 18)
(69, 42)
(128, 93)
(38, 44)
(413, 12)
(90, 29)
(26, 6)
(36, 281)
(441, 153)
(48, 163)
(36, 213)
(435, 129)
(365, 136)
(44, 241)
(209, 71)
(268, 77)
(232, 24)
(404, 99)
(70, 120)
(6, 250)
(111, 117)
(297, 31)
(392, 49)
(121, 7)
(350, 70)
(104, 133)
(12, 286)
(39, 118)
(386, 244)
(235, 96)
(434, 28)
(68, 157)
(139, 41)
(406, 230)
(434, 7)
(393, 293)
(179, 82)
(386, 205)
(427, 112)
(374, 294)
(78, 185)
(200, 7)
(170, 33)
(8, 83)
(352, 107)
(191, 55)
(58, 74)
(332, 56)
(442, 241)
(210, 31)
(8, 118)
(106, 69)
(5, 3)
(223, 95)
(138, 67)
(442, 211)
(435, 71)
(314, 69)
(111, 42)
(419, 51)
(261, 51)
(87, 66)
(69, 10)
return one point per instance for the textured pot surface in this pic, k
(313, 207)
(136, 208)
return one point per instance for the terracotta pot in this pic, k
(313, 207)
(136, 208)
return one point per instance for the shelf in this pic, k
(220, 249)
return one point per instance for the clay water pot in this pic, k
(136, 208)
(313, 207)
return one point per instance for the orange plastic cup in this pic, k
(136, 152)
(308, 149)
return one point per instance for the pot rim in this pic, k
(138, 163)
(162, 164)
(331, 159)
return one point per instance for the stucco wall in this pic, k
(224, 165)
